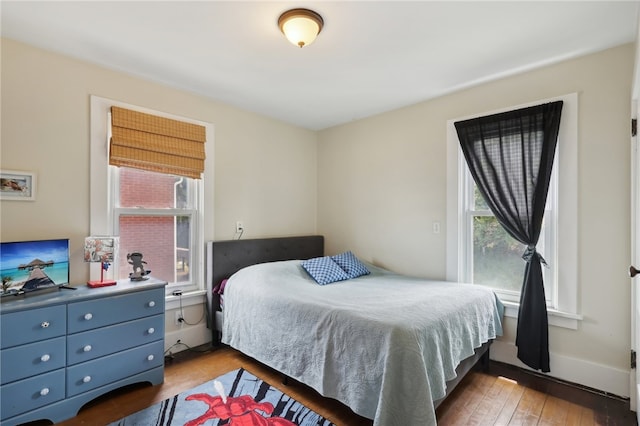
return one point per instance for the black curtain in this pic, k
(510, 156)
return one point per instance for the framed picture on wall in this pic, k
(17, 185)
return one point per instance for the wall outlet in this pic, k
(436, 227)
(178, 318)
(239, 227)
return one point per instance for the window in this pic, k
(480, 251)
(491, 256)
(156, 214)
(160, 215)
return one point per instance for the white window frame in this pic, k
(563, 311)
(104, 212)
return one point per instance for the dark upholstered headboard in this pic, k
(227, 257)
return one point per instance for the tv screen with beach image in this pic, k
(33, 265)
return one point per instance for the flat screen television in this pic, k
(27, 266)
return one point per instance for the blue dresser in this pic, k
(60, 350)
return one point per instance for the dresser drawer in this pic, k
(92, 344)
(32, 325)
(99, 313)
(29, 394)
(93, 374)
(34, 358)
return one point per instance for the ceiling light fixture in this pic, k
(300, 26)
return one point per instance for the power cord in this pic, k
(168, 354)
(181, 318)
(189, 348)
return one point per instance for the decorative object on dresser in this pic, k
(100, 249)
(139, 273)
(33, 266)
(235, 398)
(60, 351)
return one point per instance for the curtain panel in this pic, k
(510, 156)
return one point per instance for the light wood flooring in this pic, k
(503, 396)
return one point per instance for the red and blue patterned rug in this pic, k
(237, 398)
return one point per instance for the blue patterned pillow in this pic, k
(350, 264)
(324, 270)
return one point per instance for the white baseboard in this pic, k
(192, 336)
(597, 376)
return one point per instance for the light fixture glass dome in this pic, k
(300, 26)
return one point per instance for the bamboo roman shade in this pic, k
(157, 144)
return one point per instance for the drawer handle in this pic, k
(45, 358)
(151, 330)
(150, 358)
(87, 348)
(152, 304)
(86, 379)
(44, 392)
(88, 316)
(45, 324)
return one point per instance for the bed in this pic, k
(388, 346)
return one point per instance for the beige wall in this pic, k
(382, 183)
(262, 172)
(375, 186)
(265, 171)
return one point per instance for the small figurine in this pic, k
(139, 273)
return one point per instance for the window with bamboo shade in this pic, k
(149, 142)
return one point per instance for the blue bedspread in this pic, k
(384, 344)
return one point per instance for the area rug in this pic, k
(237, 398)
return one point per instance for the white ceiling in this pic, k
(370, 57)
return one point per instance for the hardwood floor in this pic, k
(504, 396)
(511, 396)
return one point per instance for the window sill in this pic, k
(190, 298)
(555, 317)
